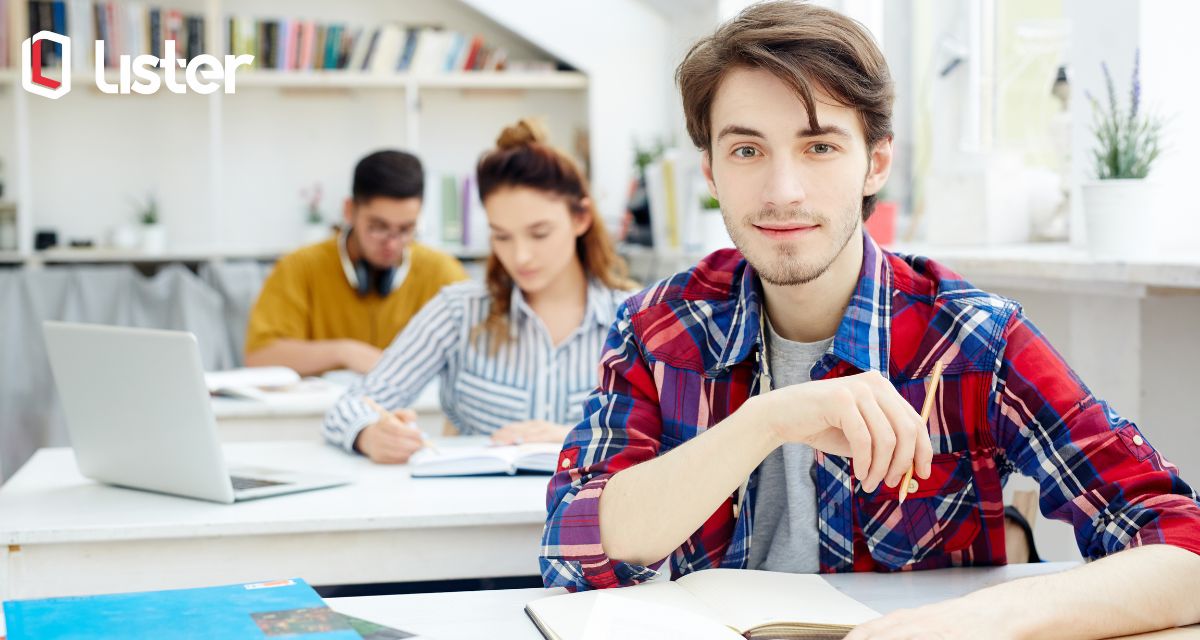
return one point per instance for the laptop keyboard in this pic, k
(241, 483)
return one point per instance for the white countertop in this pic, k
(49, 501)
(1061, 262)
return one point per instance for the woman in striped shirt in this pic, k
(517, 355)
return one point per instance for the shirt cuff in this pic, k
(578, 543)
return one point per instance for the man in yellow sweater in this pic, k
(336, 304)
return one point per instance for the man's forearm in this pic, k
(306, 357)
(648, 510)
(1141, 589)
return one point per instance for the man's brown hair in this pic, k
(806, 47)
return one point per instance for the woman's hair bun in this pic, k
(526, 131)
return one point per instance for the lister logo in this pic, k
(33, 72)
(137, 74)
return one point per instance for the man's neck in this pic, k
(812, 311)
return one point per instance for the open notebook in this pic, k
(715, 603)
(274, 386)
(484, 460)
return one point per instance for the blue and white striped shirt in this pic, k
(528, 378)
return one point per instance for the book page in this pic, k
(254, 377)
(657, 609)
(538, 456)
(462, 460)
(747, 599)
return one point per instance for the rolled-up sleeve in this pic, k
(1096, 469)
(622, 427)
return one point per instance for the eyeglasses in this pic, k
(382, 233)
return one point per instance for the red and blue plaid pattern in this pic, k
(681, 357)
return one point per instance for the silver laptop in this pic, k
(139, 415)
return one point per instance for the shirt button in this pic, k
(912, 485)
(1138, 441)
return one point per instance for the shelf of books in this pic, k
(384, 54)
(360, 75)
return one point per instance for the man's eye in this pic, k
(745, 152)
(821, 148)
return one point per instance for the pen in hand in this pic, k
(926, 409)
(385, 414)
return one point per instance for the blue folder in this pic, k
(277, 609)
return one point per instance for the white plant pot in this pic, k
(1121, 219)
(154, 238)
(713, 234)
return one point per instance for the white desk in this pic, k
(244, 420)
(62, 534)
(500, 614)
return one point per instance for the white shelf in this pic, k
(558, 80)
(1053, 266)
(123, 256)
(1059, 263)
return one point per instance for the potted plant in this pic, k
(315, 227)
(154, 234)
(1118, 209)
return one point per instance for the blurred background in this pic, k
(167, 210)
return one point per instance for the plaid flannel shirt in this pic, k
(683, 355)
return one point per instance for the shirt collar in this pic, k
(863, 336)
(598, 310)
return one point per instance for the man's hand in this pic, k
(860, 416)
(958, 618)
(359, 357)
(390, 440)
(530, 431)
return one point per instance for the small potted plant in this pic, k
(315, 226)
(1118, 209)
(154, 233)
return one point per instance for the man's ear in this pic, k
(348, 212)
(879, 166)
(706, 169)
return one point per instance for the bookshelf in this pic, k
(227, 170)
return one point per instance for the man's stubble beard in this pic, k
(785, 268)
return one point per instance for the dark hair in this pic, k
(388, 174)
(806, 47)
(523, 158)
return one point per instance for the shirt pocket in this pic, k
(486, 405)
(940, 517)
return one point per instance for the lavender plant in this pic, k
(1127, 141)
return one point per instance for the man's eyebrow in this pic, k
(823, 130)
(739, 130)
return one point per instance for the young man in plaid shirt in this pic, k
(757, 411)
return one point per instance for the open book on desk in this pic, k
(484, 460)
(715, 603)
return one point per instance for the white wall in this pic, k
(622, 46)
(1111, 31)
